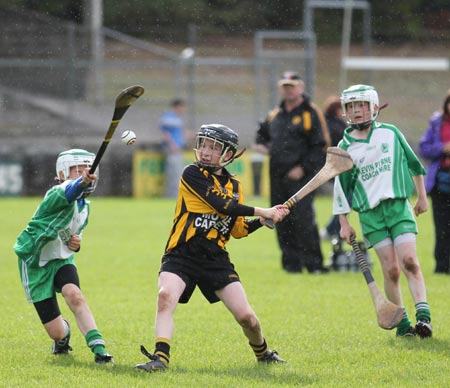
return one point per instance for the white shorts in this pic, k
(403, 238)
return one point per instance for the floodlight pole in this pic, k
(348, 6)
(345, 46)
(93, 19)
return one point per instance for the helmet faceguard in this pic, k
(222, 136)
(360, 93)
(71, 158)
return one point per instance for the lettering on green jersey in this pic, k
(374, 169)
(64, 235)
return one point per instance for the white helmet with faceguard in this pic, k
(360, 93)
(221, 135)
(71, 158)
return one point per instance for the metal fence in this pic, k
(55, 94)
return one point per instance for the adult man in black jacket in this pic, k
(294, 134)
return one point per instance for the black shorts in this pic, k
(48, 309)
(201, 263)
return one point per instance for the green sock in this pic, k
(405, 323)
(423, 311)
(95, 342)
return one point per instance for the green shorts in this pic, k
(38, 282)
(391, 218)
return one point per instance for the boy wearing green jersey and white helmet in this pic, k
(385, 173)
(46, 248)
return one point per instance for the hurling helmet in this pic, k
(364, 93)
(220, 134)
(75, 157)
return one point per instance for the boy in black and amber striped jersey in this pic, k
(209, 211)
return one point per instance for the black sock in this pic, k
(162, 349)
(260, 350)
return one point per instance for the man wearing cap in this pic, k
(294, 135)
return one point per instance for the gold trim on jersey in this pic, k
(296, 120)
(306, 120)
(272, 114)
(195, 216)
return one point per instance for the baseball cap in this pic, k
(290, 78)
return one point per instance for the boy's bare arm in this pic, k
(346, 229)
(421, 205)
(276, 213)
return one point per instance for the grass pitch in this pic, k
(325, 325)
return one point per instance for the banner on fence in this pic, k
(252, 169)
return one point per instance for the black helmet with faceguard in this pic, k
(221, 135)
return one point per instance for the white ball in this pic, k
(187, 53)
(128, 137)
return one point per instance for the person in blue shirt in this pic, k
(172, 129)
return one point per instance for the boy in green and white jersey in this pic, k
(46, 254)
(385, 173)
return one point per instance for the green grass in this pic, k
(325, 326)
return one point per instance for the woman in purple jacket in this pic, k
(435, 146)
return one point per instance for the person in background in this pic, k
(210, 210)
(173, 142)
(334, 118)
(386, 171)
(435, 146)
(336, 126)
(46, 251)
(294, 136)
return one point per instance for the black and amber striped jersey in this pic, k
(210, 206)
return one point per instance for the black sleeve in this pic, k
(238, 209)
(253, 225)
(263, 134)
(201, 185)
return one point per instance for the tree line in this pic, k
(169, 20)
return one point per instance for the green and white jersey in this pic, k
(383, 166)
(56, 219)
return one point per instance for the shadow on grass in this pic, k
(69, 361)
(272, 375)
(431, 345)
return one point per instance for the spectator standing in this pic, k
(173, 142)
(435, 146)
(293, 135)
(336, 126)
(335, 121)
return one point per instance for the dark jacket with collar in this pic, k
(294, 138)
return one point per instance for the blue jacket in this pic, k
(172, 124)
(431, 148)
